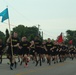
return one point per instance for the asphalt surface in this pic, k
(65, 68)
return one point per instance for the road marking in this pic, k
(43, 68)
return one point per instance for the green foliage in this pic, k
(6, 35)
(71, 35)
(2, 36)
(29, 32)
(20, 30)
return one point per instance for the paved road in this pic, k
(66, 68)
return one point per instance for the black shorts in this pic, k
(57, 52)
(54, 53)
(1, 53)
(9, 52)
(60, 53)
(71, 52)
(49, 52)
(20, 52)
(67, 52)
(39, 50)
(43, 51)
(32, 52)
(15, 51)
(26, 51)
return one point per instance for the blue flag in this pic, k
(4, 15)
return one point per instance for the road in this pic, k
(65, 68)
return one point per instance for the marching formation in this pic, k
(35, 50)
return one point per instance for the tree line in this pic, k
(31, 32)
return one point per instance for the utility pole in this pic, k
(42, 35)
(38, 29)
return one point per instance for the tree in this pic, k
(20, 30)
(2, 36)
(71, 35)
(29, 32)
(6, 35)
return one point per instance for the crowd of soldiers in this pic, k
(35, 50)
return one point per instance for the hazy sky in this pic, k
(53, 16)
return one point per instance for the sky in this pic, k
(53, 16)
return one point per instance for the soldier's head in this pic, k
(15, 34)
(32, 42)
(37, 38)
(44, 42)
(24, 39)
(48, 40)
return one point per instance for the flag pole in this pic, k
(5, 15)
(10, 34)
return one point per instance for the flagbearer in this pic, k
(14, 48)
(9, 52)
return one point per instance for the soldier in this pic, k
(32, 50)
(1, 50)
(13, 43)
(49, 48)
(24, 50)
(38, 44)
